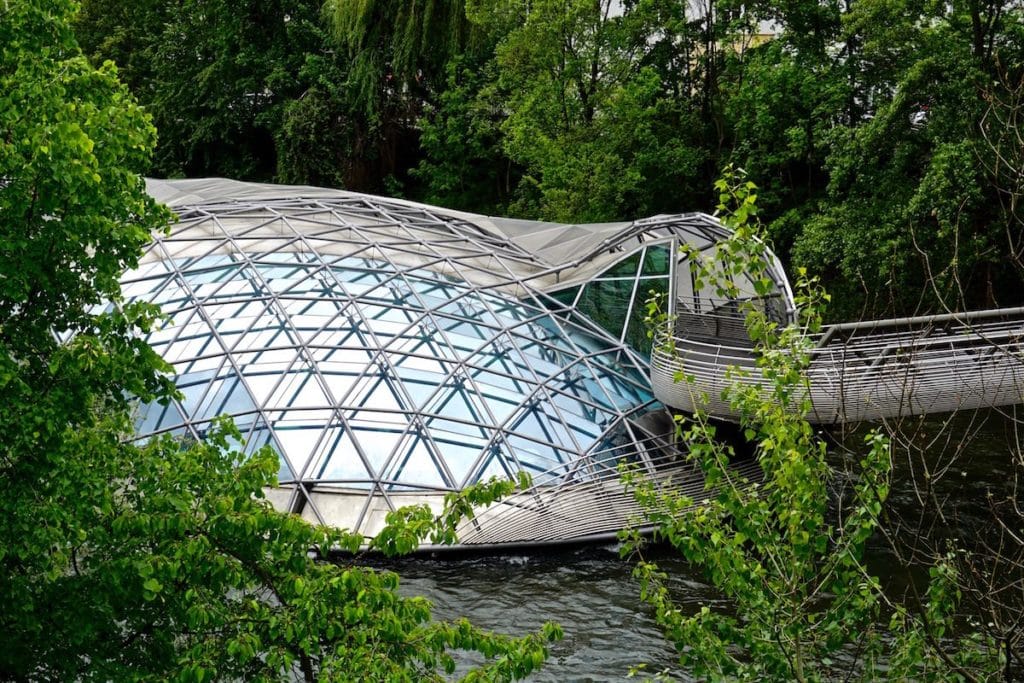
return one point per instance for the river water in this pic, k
(591, 593)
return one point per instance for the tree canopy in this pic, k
(867, 126)
(156, 561)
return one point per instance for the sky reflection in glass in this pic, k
(369, 373)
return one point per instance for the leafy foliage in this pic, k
(191, 575)
(463, 165)
(907, 203)
(73, 216)
(867, 126)
(803, 606)
(157, 561)
(395, 47)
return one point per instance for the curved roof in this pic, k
(391, 351)
(547, 255)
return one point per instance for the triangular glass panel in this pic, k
(376, 392)
(221, 283)
(299, 441)
(459, 458)
(378, 439)
(173, 295)
(291, 280)
(187, 348)
(453, 402)
(535, 457)
(502, 395)
(426, 363)
(626, 268)
(475, 435)
(299, 389)
(494, 465)
(556, 427)
(142, 288)
(339, 383)
(607, 303)
(193, 387)
(339, 461)
(316, 319)
(433, 293)
(266, 334)
(458, 443)
(587, 431)
(514, 354)
(343, 331)
(657, 260)
(419, 385)
(357, 282)
(534, 424)
(261, 383)
(153, 417)
(573, 406)
(416, 467)
(386, 321)
(563, 298)
(463, 338)
(171, 328)
(226, 395)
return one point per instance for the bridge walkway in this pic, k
(867, 370)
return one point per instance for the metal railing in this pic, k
(591, 508)
(859, 371)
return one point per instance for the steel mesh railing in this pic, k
(860, 371)
(592, 509)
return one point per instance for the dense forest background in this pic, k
(885, 135)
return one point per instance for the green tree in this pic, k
(911, 219)
(124, 561)
(781, 100)
(74, 215)
(128, 34)
(320, 138)
(254, 91)
(591, 126)
(397, 48)
(463, 165)
(216, 76)
(802, 604)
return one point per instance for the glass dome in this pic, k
(391, 352)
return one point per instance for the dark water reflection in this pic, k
(591, 593)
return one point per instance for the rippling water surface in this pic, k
(591, 593)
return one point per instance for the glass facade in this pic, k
(390, 352)
(617, 298)
(364, 374)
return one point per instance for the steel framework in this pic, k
(391, 352)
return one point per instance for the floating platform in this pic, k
(392, 352)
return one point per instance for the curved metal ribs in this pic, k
(858, 371)
(595, 508)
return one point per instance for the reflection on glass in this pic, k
(415, 380)
(617, 299)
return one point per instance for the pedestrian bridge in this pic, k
(867, 370)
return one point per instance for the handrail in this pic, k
(920, 320)
(900, 366)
